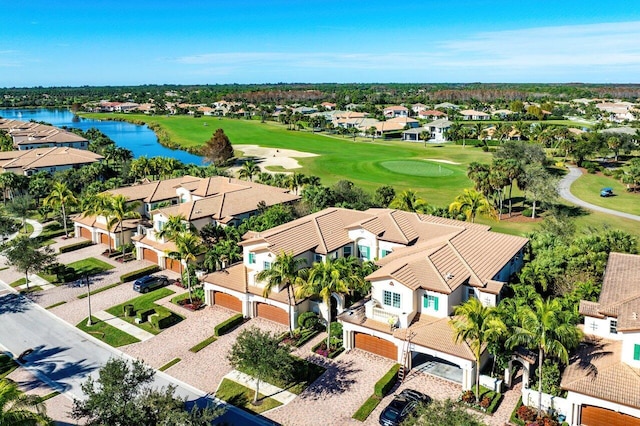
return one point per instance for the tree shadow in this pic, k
(568, 211)
(587, 355)
(14, 303)
(337, 379)
(45, 360)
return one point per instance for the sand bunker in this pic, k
(441, 161)
(265, 157)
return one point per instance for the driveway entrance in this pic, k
(436, 367)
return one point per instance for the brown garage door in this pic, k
(272, 313)
(104, 239)
(227, 301)
(85, 233)
(376, 345)
(150, 255)
(594, 416)
(173, 264)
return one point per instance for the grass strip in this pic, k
(200, 346)
(170, 364)
(367, 408)
(241, 396)
(7, 365)
(56, 304)
(100, 290)
(49, 396)
(107, 333)
(18, 283)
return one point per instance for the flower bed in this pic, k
(488, 402)
(197, 304)
(300, 337)
(333, 351)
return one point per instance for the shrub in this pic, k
(128, 310)
(526, 414)
(134, 275)
(485, 402)
(75, 246)
(308, 319)
(228, 325)
(468, 397)
(335, 330)
(528, 211)
(366, 408)
(607, 172)
(386, 383)
(143, 316)
(162, 320)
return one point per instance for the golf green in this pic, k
(417, 168)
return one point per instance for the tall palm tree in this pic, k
(295, 181)
(188, 247)
(283, 273)
(476, 324)
(409, 201)
(118, 210)
(545, 326)
(173, 226)
(471, 203)
(248, 170)
(19, 409)
(323, 279)
(60, 197)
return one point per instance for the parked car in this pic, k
(402, 406)
(606, 192)
(150, 282)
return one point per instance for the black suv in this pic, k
(150, 282)
(403, 405)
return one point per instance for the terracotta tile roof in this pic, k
(233, 278)
(436, 333)
(396, 108)
(167, 247)
(620, 294)
(92, 222)
(47, 157)
(159, 190)
(596, 370)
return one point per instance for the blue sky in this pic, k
(116, 42)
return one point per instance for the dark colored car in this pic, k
(606, 192)
(149, 282)
(402, 406)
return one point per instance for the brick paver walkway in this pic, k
(124, 326)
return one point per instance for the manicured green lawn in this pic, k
(418, 168)
(305, 373)
(107, 333)
(143, 303)
(241, 396)
(90, 266)
(588, 187)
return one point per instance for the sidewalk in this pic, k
(266, 389)
(122, 325)
(36, 281)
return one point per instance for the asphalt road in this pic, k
(64, 357)
(565, 192)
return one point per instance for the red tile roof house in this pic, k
(202, 201)
(395, 111)
(432, 114)
(428, 265)
(603, 377)
(470, 114)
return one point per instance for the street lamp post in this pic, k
(86, 277)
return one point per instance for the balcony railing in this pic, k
(375, 312)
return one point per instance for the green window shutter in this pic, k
(425, 301)
(636, 352)
(435, 303)
(252, 258)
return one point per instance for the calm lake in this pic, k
(139, 139)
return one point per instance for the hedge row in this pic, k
(366, 408)
(386, 383)
(162, 320)
(228, 325)
(75, 246)
(139, 273)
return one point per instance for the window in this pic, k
(317, 258)
(613, 326)
(252, 258)
(471, 293)
(390, 298)
(363, 252)
(636, 352)
(346, 251)
(160, 225)
(594, 326)
(384, 253)
(430, 301)
(266, 265)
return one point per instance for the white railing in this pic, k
(379, 314)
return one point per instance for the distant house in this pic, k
(446, 105)
(415, 134)
(328, 105)
(470, 114)
(431, 114)
(395, 125)
(502, 113)
(417, 108)
(603, 377)
(438, 130)
(48, 160)
(395, 111)
(31, 135)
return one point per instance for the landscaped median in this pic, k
(241, 396)
(145, 313)
(380, 389)
(107, 333)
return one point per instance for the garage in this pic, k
(85, 233)
(150, 255)
(376, 345)
(104, 239)
(172, 264)
(272, 313)
(227, 301)
(592, 416)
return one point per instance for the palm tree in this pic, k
(546, 327)
(19, 409)
(21, 206)
(118, 210)
(60, 197)
(295, 181)
(188, 246)
(614, 144)
(283, 273)
(7, 183)
(409, 201)
(323, 279)
(173, 226)
(471, 203)
(476, 325)
(249, 170)
(425, 136)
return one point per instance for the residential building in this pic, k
(470, 114)
(394, 125)
(431, 114)
(438, 130)
(31, 135)
(395, 111)
(603, 377)
(446, 105)
(428, 265)
(48, 160)
(417, 108)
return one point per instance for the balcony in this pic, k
(377, 312)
